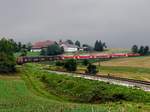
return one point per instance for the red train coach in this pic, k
(21, 60)
(119, 55)
(133, 55)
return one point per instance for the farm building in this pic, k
(68, 47)
(38, 46)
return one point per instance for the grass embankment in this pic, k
(87, 91)
(15, 97)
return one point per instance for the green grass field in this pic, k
(134, 68)
(15, 97)
(28, 54)
(24, 93)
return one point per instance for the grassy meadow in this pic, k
(25, 92)
(28, 54)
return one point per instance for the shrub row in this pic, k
(83, 90)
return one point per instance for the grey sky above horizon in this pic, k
(120, 23)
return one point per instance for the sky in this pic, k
(119, 23)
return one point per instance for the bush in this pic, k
(119, 96)
(70, 65)
(85, 62)
(59, 63)
(43, 52)
(91, 69)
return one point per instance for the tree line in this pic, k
(55, 49)
(143, 50)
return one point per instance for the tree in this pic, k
(146, 50)
(134, 49)
(14, 44)
(141, 50)
(91, 69)
(23, 52)
(62, 50)
(54, 49)
(29, 46)
(77, 43)
(19, 46)
(43, 52)
(96, 46)
(99, 46)
(24, 46)
(70, 65)
(7, 59)
(104, 45)
(70, 42)
(87, 47)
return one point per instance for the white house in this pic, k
(68, 47)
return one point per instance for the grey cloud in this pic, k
(120, 23)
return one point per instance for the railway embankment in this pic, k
(144, 85)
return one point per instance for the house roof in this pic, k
(66, 44)
(42, 44)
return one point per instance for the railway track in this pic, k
(125, 79)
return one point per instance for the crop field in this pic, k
(108, 51)
(143, 62)
(24, 93)
(117, 50)
(134, 68)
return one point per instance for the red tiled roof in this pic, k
(42, 44)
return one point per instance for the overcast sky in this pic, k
(120, 23)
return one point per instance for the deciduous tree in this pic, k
(77, 43)
(134, 49)
(7, 59)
